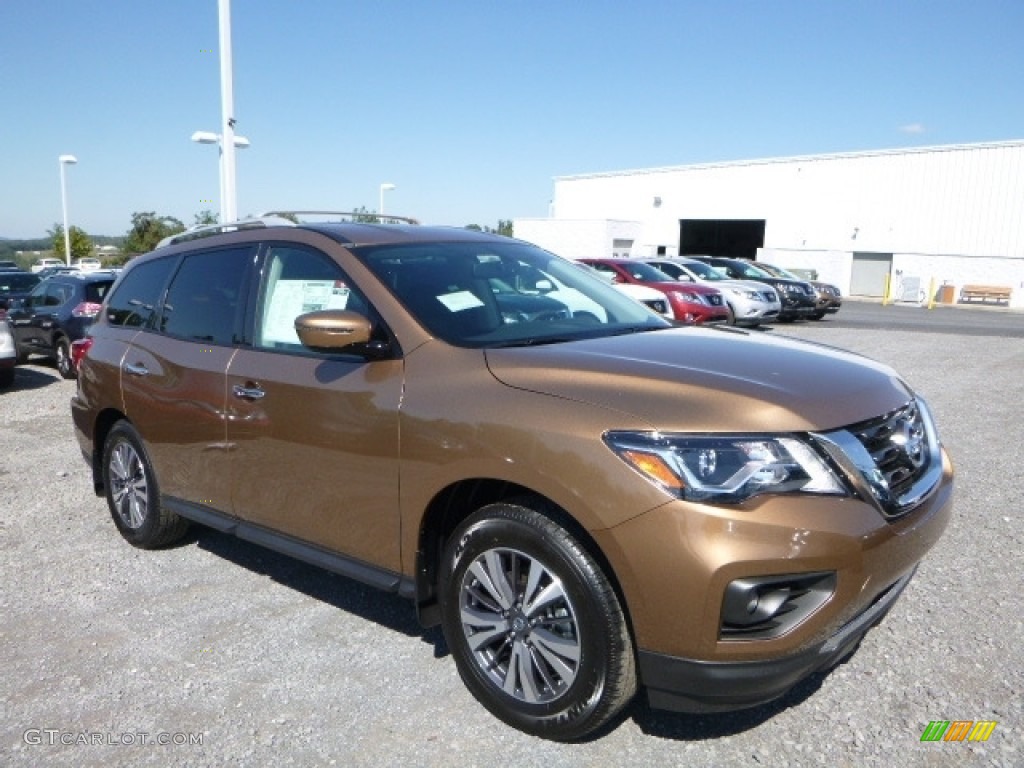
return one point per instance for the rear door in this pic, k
(173, 375)
(314, 436)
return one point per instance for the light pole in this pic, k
(228, 196)
(227, 212)
(62, 161)
(385, 187)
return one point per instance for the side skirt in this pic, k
(380, 578)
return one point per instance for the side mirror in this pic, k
(332, 330)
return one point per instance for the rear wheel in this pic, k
(65, 366)
(133, 495)
(534, 625)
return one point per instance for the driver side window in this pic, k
(297, 280)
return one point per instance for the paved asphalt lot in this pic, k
(271, 662)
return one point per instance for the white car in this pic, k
(88, 264)
(40, 264)
(8, 354)
(750, 302)
(652, 298)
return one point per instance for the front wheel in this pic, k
(535, 627)
(132, 492)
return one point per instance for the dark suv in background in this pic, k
(799, 299)
(58, 311)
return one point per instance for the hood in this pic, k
(746, 285)
(708, 380)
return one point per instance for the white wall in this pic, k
(576, 239)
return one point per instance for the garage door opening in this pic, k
(734, 238)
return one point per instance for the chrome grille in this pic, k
(897, 444)
(896, 458)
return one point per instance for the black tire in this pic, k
(558, 668)
(817, 316)
(6, 378)
(65, 367)
(133, 495)
(731, 319)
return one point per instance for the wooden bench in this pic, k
(985, 293)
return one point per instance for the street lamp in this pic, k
(227, 207)
(62, 161)
(385, 187)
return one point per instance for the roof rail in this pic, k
(207, 230)
(366, 217)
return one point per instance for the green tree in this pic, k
(205, 218)
(148, 229)
(364, 216)
(81, 244)
(504, 228)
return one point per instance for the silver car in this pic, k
(750, 302)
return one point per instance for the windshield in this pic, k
(17, 282)
(645, 273)
(483, 294)
(704, 271)
(778, 271)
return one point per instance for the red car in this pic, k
(691, 303)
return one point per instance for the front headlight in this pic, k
(693, 298)
(726, 468)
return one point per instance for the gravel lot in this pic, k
(269, 662)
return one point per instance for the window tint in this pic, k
(295, 281)
(57, 294)
(205, 297)
(138, 293)
(95, 292)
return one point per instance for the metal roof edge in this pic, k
(795, 158)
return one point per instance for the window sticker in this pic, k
(460, 301)
(291, 298)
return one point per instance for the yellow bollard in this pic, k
(885, 290)
(931, 294)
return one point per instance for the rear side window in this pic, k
(95, 292)
(205, 299)
(134, 302)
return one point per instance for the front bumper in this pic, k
(684, 685)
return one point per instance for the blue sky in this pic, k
(471, 108)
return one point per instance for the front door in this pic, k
(314, 436)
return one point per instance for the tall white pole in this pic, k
(228, 201)
(62, 161)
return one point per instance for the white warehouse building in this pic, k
(919, 218)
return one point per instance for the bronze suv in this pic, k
(587, 499)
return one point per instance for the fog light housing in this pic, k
(766, 607)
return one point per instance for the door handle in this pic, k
(136, 370)
(248, 393)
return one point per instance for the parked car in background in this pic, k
(40, 264)
(88, 264)
(750, 303)
(6, 265)
(58, 311)
(798, 297)
(690, 303)
(585, 507)
(829, 297)
(61, 269)
(15, 285)
(8, 354)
